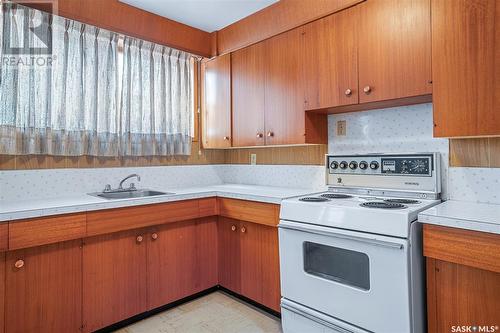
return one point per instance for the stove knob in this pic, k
(353, 165)
(363, 165)
(374, 165)
(334, 165)
(343, 165)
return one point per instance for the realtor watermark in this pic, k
(27, 38)
(475, 329)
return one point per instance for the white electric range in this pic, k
(351, 258)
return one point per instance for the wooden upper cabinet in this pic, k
(216, 92)
(248, 79)
(466, 67)
(284, 93)
(330, 61)
(43, 289)
(394, 43)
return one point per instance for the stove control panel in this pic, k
(383, 165)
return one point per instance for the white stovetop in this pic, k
(80, 202)
(464, 215)
(348, 214)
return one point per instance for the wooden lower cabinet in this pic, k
(182, 260)
(44, 292)
(463, 279)
(459, 295)
(114, 278)
(249, 260)
(229, 254)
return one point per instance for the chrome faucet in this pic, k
(132, 185)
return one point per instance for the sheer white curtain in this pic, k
(68, 108)
(93, 100)
(156, 100)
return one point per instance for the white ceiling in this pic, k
(207, 15)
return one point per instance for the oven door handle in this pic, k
(325, 231)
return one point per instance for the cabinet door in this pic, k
(44, 289)
(251, 260)
(248, 69)
(331, 61)
(114, 278)
(466, 67)
(229, 254)
(459, 295)
(284, 93)
(216, 92)
(394, 46)
(271, 290)
(206, 253)
(172, 263)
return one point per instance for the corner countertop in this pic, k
(15, 210)
(464, 215)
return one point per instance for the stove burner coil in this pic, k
(313, 199)
(335, 196)
(382, 205)
(403, 201)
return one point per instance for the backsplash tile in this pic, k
(475, 184)
(37, 184)
(295, 176)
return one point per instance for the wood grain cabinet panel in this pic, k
(2, 291)
(4, 236)
(248, 104)
(171, 263)
(44, 289)
(250, 260)
(459, 295)
(112, 220)
(466, 67)
(463, 278)
(257, 212)
(46, 230)
(229, 254)
(216, 74)
(394, 43)
(284, 90)
(330, 61)
(271, 289)
(114, 278)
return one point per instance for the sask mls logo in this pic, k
(27, 39)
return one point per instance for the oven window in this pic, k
(340, 265)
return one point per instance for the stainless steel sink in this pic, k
(129, 194)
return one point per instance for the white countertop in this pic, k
(464, 215)
(14, 210)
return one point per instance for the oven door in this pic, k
(358, 278)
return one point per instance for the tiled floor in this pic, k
(214, 313)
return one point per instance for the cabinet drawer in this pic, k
(111, 220)
(4, 236)
(464, 247)
(208, 207)
(251, 211)
(46, 230)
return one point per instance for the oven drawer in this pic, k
(296, 318)
(359, 278)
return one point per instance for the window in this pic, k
(73, 89)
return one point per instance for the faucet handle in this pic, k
(107, 188)
(132, 187)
